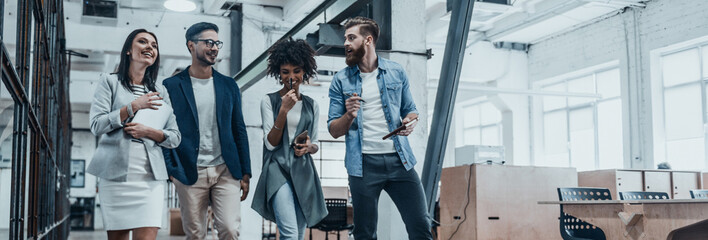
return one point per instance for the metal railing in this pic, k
(41, 121)
(319, 158)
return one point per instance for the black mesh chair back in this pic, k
(572, 228)
(699, 194)
(336, 220)
(583, 194)
(337, 209)
(643, 195)
(81, 210)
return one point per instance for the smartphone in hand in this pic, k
(403, 126)
(300, 139)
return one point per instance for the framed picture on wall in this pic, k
(78, 169)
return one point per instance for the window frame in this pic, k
(593, 104)
(478, 102)
(658, 55)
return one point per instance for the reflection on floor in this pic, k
(99, 234)
(91, 235)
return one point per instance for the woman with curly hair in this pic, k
(288, 190)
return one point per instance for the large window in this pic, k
(683, 76)
(480, 125)
(583, 132)
(329, 162)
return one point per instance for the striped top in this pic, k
(138, 90)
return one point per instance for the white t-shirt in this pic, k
(209, 143)
(292, 120)
(373, 118)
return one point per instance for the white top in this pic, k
(373, 118)
(209, 144)
(139, 168)
(292, 120)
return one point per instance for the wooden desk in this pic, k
(481, 202)
(643, 219)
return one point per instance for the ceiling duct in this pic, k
(328, 40)
(512, 46)
(231, 6)
(484, 10)
(99, 12)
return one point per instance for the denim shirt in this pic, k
(396, 101)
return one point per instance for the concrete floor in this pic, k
(91, 235)
(100, 234)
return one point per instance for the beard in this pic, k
(356, 56)
(202, 57)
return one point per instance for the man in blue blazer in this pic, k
(212, 164)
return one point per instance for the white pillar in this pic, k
(408, 34)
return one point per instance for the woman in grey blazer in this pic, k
(129, 159)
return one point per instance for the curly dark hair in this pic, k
(295, 52)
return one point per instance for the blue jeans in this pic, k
(288, 214)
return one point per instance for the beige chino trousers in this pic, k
(217, 187)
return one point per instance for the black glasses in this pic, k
(210, 43)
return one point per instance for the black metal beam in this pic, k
(328, 40)
(236, 17)
(332, 11)
(2, 18)
(19, 146)
(445, 98)
(9, 76)
(256, 69)
(381, 12)
(38, 169)
(344, 9)
(34, 162)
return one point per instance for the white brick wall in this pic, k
(661, 23)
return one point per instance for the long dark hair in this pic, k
(124, 66)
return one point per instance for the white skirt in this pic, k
(136, 203)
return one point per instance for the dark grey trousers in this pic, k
(386, 172)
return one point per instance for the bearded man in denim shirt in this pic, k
(367, 101)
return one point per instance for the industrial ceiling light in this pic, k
(180, 5)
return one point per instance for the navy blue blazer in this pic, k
(181, 162)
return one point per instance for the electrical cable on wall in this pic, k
(464, 210)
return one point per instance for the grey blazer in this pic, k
(110, 161)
